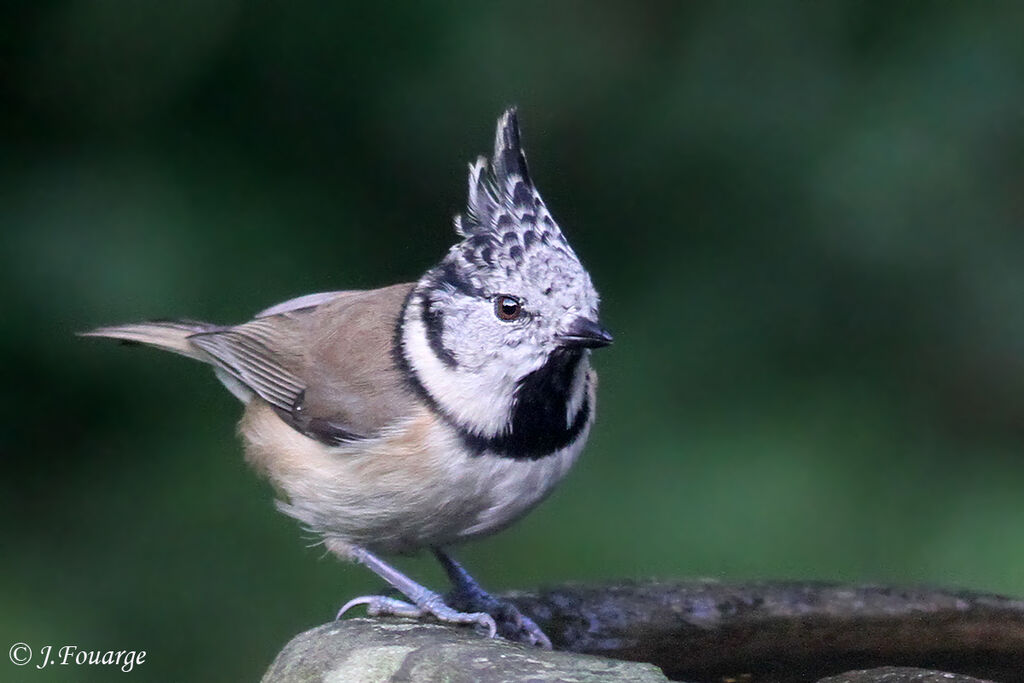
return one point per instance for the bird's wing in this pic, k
(301, 302)
(258, 355)
(324, 362)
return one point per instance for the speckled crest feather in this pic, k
(506, 220)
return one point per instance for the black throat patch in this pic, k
(539, 427)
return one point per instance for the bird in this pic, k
(418, 416)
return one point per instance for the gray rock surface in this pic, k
(897, 674)
(380, 650)
(767, 632)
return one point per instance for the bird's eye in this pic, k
(507, 308)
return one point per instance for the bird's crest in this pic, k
(505, 217)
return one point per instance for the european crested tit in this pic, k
(421, 415)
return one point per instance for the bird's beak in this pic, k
(584, 333)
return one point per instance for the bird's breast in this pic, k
(415, 485)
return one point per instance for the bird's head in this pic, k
(507, 302)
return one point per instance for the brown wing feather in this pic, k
(350, 374)
(326, 369)
(256, 360)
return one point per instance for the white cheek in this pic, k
(480, 399)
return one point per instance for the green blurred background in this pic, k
(805, 220)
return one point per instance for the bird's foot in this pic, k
(469, 596)
(511, 623)
(429, 604)
(421, 600)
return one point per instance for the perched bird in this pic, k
(421, 415)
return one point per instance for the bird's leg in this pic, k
(422, 601)
(470, 596)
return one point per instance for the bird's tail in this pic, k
(169, 335)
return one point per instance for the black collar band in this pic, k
(539, 425)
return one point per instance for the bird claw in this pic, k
(516, 626)
(536, 636)
(432, 605)
(380, 605)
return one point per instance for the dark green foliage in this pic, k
(805, 220)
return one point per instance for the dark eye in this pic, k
(507, 307)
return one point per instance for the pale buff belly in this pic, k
(409, 489)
